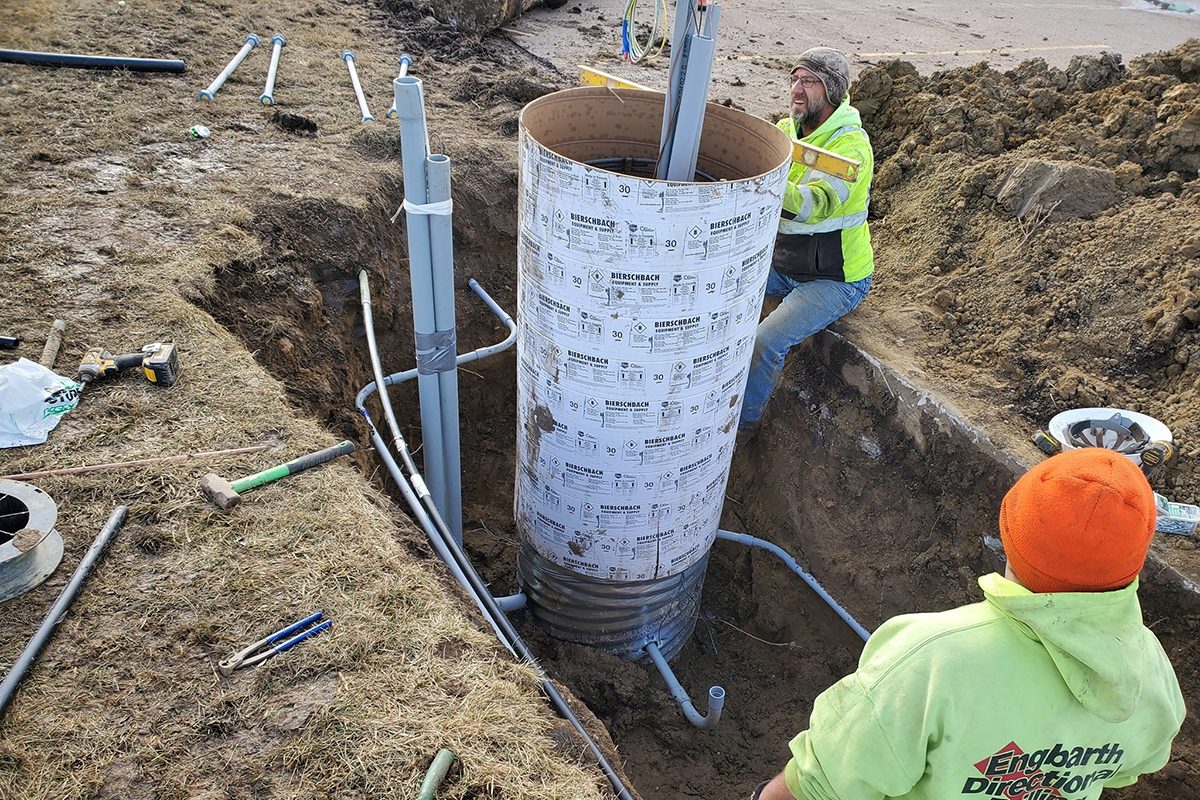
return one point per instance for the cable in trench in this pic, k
(419, 500)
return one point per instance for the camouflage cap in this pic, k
(831, 67)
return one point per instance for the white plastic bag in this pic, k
(32, 401)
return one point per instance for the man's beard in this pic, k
(811, 113)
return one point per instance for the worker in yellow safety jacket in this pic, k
(823, 264)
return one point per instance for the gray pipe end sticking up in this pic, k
(409, 101)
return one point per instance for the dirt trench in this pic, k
(297, 308)
(909, 530)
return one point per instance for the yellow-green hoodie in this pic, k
(1023, 697)
(823, 231)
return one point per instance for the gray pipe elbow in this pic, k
(716, 702)
(716, 694)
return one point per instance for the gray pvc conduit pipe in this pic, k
(512, 602)
(716, 695)
(389, 415)
(405, 62)
(416, 492)
(267, 98)
(441, 257)
(252, 41)
(40, 59)
(460, 566)
(59, 610)
(415, 495)
(794, 566)
(414, 147)
(458, 563)
(349, 58)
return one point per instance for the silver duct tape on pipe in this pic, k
(620, 618)
(639, 300)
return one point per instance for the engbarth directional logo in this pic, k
(1052, 773)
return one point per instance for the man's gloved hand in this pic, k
(758, 790)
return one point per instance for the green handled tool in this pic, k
(227, 494)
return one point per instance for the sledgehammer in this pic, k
(227, 494)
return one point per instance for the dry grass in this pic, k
(110, 217)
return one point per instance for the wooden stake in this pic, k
(53, 342)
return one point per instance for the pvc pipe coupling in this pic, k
(267, 98)
(349, 57)
(252, 41)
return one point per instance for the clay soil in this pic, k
(1037, 249)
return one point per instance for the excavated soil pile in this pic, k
(1036, 236)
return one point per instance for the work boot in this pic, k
(747, 435)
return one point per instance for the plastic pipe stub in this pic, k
(410, 101)
(30, 547)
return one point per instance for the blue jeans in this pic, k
(807, 307)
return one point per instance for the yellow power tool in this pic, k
(159, 362)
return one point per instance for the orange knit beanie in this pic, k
(1080, 521)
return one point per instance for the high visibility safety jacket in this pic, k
(823, 229)
(1031, 696)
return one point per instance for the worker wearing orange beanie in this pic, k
(1052, 688)
(1079, 522)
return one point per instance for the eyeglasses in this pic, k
(806, 82)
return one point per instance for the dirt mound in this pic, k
(1094, 110)
(1036, 235)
